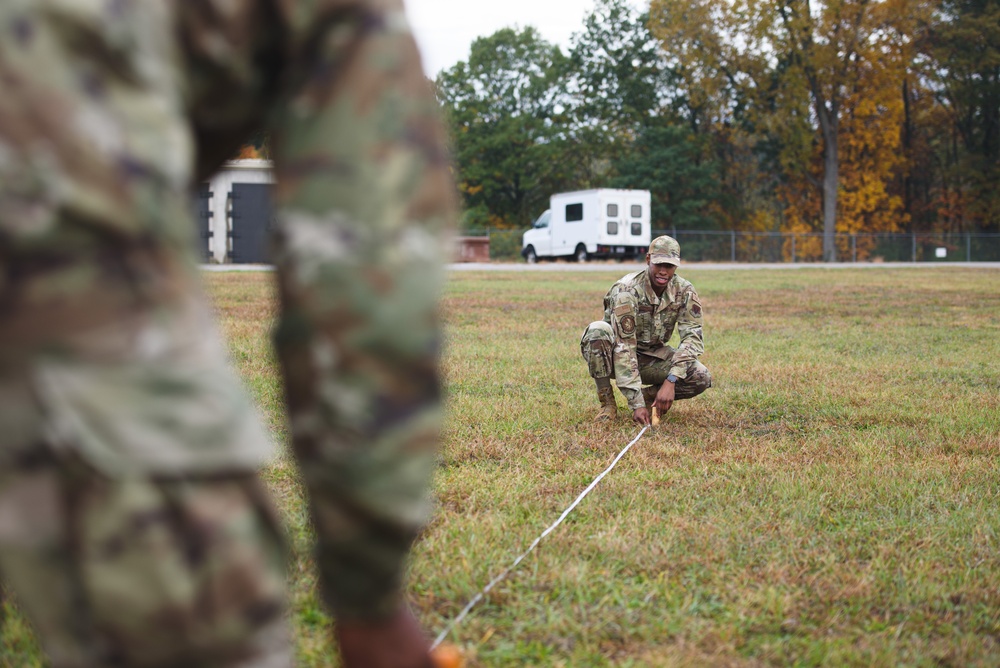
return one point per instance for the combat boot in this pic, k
(609, 408)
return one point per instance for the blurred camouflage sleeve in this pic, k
(689, 329)
(365, 198)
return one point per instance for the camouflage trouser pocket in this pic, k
(596, 347)
(599, 360)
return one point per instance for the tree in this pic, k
(666, 160)
(962, 46)
(870, 133)
(790, 69)
(506, 108)
(616, 82)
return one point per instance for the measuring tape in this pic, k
(465, 611)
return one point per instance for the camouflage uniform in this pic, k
(630, 344)
(132, 525)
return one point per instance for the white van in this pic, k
(588, 224)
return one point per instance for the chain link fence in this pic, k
(731, 246)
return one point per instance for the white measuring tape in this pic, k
(494, 581)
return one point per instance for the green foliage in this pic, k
(618, 78)
(966, 45)
(475, 218)
(668, 161)
(527, 122)
(836, 116)
(963, 46)
(505, 245)
(505, 108)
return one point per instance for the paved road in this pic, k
(698, 266)
(626, 267)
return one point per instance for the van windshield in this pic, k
(543, 220)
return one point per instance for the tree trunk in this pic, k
(908, 152)
(828, 122)
(831, 177)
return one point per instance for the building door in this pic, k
(250, 223)
(203, 220)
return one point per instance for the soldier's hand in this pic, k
(665, 397)
(641, 415)
(397, 642)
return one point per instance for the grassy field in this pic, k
(834, 499)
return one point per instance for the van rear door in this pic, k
(611, 229)
(637, 220)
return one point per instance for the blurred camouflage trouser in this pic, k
(598, 348)
(132, 525)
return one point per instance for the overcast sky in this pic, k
(445, 29)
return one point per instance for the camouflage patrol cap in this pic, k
(665, 250)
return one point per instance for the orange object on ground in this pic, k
(447, 656)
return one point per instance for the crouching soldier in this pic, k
(641, 311)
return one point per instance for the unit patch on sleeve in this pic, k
(628, 325)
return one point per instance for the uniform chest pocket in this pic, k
(644, 329)
(666, 320)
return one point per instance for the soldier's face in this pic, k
(660, 274)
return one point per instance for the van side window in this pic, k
(637, 211)
(636, 229)
(612, 211)
(543, 220)
(574, 212)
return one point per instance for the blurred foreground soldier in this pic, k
(641, 311)
(132, 525)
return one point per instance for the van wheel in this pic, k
(581, 253)
(530, 256)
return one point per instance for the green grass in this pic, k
(832, 500)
